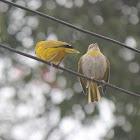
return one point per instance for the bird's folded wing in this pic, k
(82, 81)
(55, 44)
(107, 75)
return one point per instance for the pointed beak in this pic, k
(96, 45)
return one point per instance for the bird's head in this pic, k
(93, 47)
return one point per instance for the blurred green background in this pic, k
(38, 102)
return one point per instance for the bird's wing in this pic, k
(55, 44)
(82, 81)
(107, 75)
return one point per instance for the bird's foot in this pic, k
(58, 66)
(92, 78)
(103, 83)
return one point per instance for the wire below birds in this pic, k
(70, 71)
(72, 26)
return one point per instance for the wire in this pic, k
(79, 29)
(70, 71)
(72, 26)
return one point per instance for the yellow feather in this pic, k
(93, 52)
(53, 51)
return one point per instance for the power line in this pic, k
(72, 26)
(70, 71)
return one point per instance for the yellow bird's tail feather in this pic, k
(71, 50)
(93, 93)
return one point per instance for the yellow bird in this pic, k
(53, 51)
(95, 65)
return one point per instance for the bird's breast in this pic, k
(94, 66)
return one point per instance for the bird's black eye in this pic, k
(68, 46)
(91, 46)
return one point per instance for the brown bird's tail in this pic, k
(93, 93)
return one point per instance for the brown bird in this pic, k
(95, 65)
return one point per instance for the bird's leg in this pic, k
(103, 86)
(92, 78)
(53, 58)
(103, 83)
(60, 61)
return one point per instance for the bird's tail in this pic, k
(71, 50)
(93, 93)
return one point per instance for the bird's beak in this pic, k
(96, 45)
